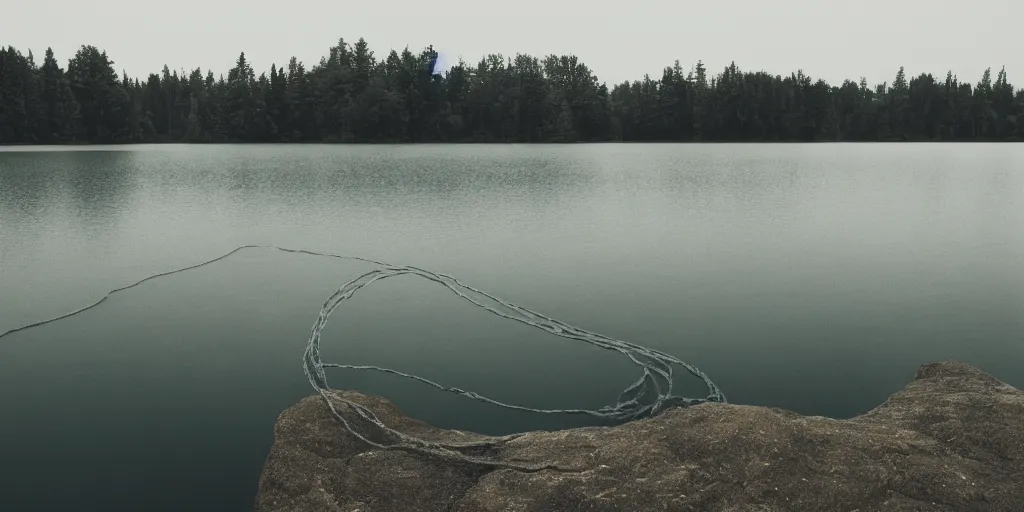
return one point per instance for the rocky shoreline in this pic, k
(951, 440)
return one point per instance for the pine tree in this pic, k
(60, 107)
(701, 100)
(104, 103)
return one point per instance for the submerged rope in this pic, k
(648, 395)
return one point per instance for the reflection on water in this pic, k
(811, 277)
(91, 189)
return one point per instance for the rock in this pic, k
(953, 439)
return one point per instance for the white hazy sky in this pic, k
(619, 41)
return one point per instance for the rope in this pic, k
(648, 395)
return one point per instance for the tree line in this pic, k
(353, 96)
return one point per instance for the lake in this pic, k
(811, 277)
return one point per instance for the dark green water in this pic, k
(811, 277)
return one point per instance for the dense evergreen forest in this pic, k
(353, 96)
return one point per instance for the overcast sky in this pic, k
(619, 41)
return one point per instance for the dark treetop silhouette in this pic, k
(351, 96)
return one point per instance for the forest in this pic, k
(351, 95)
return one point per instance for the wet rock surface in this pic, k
(952, 439)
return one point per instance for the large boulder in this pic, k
(953, 439)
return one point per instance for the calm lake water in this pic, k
(811, 277)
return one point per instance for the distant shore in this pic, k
(353, 96)
(509, 143)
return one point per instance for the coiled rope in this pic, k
(648, 395)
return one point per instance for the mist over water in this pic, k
(811, 277)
